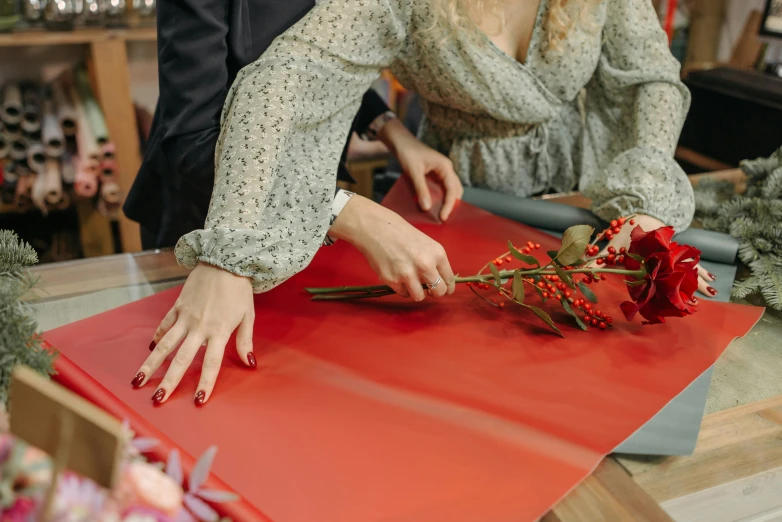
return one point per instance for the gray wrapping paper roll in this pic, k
(66, 113)
(556, 217)
(31, 117)
(36, 157)
(53, 137)
(5, 148)
(12, 104)
(18, 150)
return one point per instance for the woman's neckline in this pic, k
(533, 42)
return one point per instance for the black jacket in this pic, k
(202, 45)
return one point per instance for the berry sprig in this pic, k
(554, 281)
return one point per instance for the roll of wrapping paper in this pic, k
(52, 182)
(65, 201)
(85, 183)
(92, 110)
(24, 186)
(36, 157)
(37, 194)
(10, 173)
(109, 151)
(18, 150)
(52, 135)
(110, 210)
(12, 131)
(108, 167)
(63, 106)
(110, 191)
(5, 147)
(11, 110)
(87, 149)
(556, 217)
(68, 168)
(31, 112)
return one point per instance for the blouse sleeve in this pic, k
(635, 108)
(283, 127)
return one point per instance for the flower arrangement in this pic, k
(661, 277)
(145, 493)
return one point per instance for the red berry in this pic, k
(614, 223)
(587, 306)
(587, 318)
(507, 259)
(621, 221)
(611, 259)
(620, 259)
(550, 288)
(559, 297)
(530, 244)
(632, 222)
(541, 284)
(502, 305)
(587, 280)
(598, 313)
(499, 262)
(602, 277)
(602, 325)
(567, 293)
(622, 250)
(469, 284)
(545, 295)
(608, 319)
(594, 322)
(600, 261)
(611, 250)
(537, 245)
(616, 230)
(609, 236)
(525, 250)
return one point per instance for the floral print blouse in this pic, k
(601, 112)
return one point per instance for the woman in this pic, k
(540, 95)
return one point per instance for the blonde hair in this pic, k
(454, 16)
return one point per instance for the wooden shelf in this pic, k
(77, 36)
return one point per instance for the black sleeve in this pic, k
(372, 106)
(193, 77)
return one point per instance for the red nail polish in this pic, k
(713, 277)
(200, 398)
(694, 301)
(152, 345)
(251, 360)
(159, 395)
(711, 290)
(137, 380)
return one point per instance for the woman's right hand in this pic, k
(402, 256)
(213, 304)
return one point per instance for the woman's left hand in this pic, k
(419, 161)
(648, 223)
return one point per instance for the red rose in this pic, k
(671, 280)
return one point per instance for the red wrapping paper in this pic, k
(389, 410)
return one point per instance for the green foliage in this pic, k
(19, 339)
(755, 219)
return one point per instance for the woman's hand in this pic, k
(648, 223)
(403, 257)
(213, 303)
(418, 161)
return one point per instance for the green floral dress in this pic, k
(602, 112)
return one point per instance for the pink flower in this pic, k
(79, 500)
(23, 510)
(143, 485)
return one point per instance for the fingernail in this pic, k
(711, 290)
(137, 380)
(713, 277)
(425, 204)
(152, 345)
(200, 398)
(694, 300)
(159, 395)
(251, 360)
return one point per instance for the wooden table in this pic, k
(734, 475)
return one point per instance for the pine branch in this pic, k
(20, 342)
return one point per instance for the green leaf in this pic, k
(552, 254)
(530, 260)
(588, 293)
(638, 258)
(574, 242)
(578, 263)
(518, 287)
(565, 277)
(569, 309)
(546, 318)
(496, 274)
